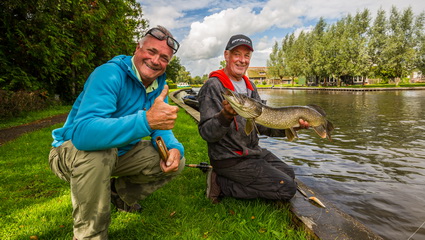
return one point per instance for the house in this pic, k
(259, 75)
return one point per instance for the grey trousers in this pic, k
(89, 173)
(265, 177)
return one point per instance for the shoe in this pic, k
(213, 189)
(120, 204)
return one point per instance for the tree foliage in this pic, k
(54, 45)
(388, 47)
(173, 69)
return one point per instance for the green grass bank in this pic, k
(35, 204)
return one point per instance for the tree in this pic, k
(184, 76)
(297, 56)
(222, 64)
(338, 49)
(54, 45)
(275, 65)
(400, 50)
(173, 69)
(362, 59)
(351, 48)
(377, 43)
(316, 50)
(420, 42)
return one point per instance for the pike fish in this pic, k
(279, 118)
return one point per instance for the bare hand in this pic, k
(173, 161)
(161, 115)
(227, 110)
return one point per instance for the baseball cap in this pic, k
(237, 40)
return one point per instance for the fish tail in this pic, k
(324, 130)
(321, 131)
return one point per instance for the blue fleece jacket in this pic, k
(110, 112)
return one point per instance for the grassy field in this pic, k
(35, 204)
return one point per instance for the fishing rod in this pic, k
(203, 166)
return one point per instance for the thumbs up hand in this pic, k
(162, 115)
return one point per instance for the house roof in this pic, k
(261, 72)
(257, 72)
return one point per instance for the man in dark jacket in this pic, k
(241, 168)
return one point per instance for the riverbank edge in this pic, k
(365, 89)
(319, 223)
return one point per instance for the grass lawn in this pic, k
(35, 204)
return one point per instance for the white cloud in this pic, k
(203, 27)
(165, 16)
(207, 38)
(282, 14)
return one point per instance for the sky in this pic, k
(203, 27)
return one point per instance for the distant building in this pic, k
(259, 75)
(417, 77)
(183, 85)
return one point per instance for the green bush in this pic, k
(14, 104)
(172, 86)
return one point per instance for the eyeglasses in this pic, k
(160, 35)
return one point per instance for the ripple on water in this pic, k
(374, 169)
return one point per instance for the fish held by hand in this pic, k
(279, 118)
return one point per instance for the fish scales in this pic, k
(286, 118)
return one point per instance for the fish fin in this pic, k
(290, 134)
(321, 131)
(250, 124)
(256, 128)
(316, 200)
(317, 108)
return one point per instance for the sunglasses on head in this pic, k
(160, 35)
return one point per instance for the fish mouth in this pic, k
(246, 107)
(231, 96)
(227, 92)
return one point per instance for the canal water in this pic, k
(374, 169)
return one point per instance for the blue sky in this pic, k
(203, 27)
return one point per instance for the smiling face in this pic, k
(237, 61)
(151, 59)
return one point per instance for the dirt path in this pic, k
(9, 134)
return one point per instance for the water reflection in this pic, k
(374, 168)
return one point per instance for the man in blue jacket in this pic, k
(99, 150)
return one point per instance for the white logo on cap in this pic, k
(241, 40)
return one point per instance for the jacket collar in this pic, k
(225, 80)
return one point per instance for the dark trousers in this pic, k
(265, 177)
